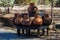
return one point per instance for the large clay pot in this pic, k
(18, 20)
(26, 20)
(37, 20)
(47, 19)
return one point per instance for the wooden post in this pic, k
(52, 10)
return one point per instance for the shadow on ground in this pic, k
(14, 36)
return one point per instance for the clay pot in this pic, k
(26, 20)
(47, 19)
(37, 20)
(18, 20)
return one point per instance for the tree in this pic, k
(47, 2)
(21, 2)
(58, 3)
(25, 2)
(6, 3)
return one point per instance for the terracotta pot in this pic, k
(47, 20)
(18, 20)
(26, 22)
(38, 21)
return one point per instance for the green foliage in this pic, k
(58, 3)
(47, 2)
(28, 1)
(25, 2)
(6, 3)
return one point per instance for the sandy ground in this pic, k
(7, 33)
